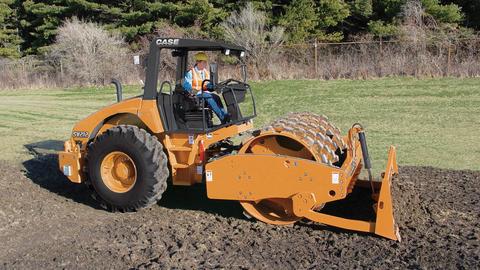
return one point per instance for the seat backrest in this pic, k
(164, 103)
(184, 103)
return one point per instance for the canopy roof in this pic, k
(195, 44)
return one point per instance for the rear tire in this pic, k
(143, 169)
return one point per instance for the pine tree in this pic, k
(300, 21)
(360, 15)
(389, 10)
(34, 23)
(449, 13)
(361, 8)
(9, 38)
(331, 13)
(40, 19)
(132, 18)
(471, 9)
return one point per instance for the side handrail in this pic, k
(247, 87)
(170, 119)
(253, 100)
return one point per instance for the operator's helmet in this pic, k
(200, 56)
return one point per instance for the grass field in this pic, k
(433, 122)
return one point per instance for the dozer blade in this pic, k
(384, 224)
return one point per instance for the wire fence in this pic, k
(373, 59)
(315, 60)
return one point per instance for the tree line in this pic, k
(30, 27)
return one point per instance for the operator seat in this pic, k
(188, 110)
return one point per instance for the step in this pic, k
(180, 166)
(180, 149)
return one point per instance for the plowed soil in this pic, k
(48, 222)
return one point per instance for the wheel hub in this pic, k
(118, 172)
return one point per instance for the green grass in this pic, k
(433, 122)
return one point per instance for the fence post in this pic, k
(61, 69)
(449, 59)
(381, 46)
(316, 57)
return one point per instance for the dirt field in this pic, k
(48, 222)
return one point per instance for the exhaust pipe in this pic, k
(118, 86)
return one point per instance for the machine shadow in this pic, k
(43, 170)
(195, 198)
(358, 205)
(44, 147)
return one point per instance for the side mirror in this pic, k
(214, 73)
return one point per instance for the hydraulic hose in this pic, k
(366, 157)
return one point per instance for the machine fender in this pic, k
(131, 111)
(119, 119)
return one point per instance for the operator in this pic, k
(193, 84)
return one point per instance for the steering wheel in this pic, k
(222, 85)
(217, 88)
(203, 84)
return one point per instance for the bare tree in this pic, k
(248, 28)
(88, 54)
(415, 22)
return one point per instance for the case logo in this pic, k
(167, 41)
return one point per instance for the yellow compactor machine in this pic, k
(127, 152)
